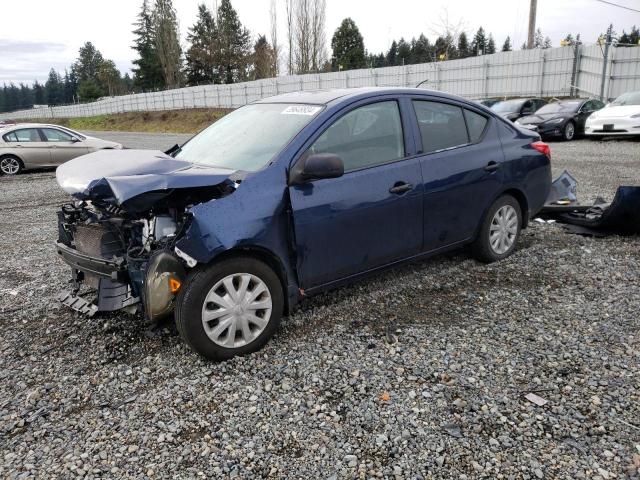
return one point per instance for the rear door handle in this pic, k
(492, 166)
(400, 187)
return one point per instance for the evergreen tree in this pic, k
(167, 42)
(235, 41)
(404, 52)
(422, 50)
(89, 62)
(70, 86)
(491, 45)
(506, 46)
(347, 45)
(392, 54)
(262, 59)
(39, 97)
(202, 55)
(629, 39)
(463, 46)
(479, 43)
(546, 43)
(54, 89)
(538, 39)
(89, 90)
(147, 72)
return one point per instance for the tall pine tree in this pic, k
(235, 45)
(463, 46)
(479, 43)
(491, 45)
(348, 47)
(167, 42)
(147, 72)
(203, 53)
(506, 46)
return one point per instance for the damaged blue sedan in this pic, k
(290, 196)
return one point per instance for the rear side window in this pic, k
(367, 136)
(476, 124)
(441, 125)
(24, 135)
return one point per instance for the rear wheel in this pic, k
(499, 231)
(569, 131)
(10, 165)
(229, 308)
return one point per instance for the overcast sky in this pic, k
(39, 34)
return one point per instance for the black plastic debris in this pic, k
(621, 216)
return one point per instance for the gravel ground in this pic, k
(419, 372)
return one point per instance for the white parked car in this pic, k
(620, 117)
(31, 145)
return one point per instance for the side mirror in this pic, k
(75, 139)
(315, 167)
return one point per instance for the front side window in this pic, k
(441, 125)
(367, 136)
(249, 137)
(23, 136)
(53, 135)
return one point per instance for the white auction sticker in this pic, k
(301, 110)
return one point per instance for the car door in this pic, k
(461, 160)
(372, 215)
(63, 145)
(29, 146)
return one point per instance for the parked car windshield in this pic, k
(248, 138)
(557, 107)
(507, 106)
(629, 98)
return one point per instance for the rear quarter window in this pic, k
(476, 124)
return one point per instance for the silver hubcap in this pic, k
(237, 309)
(504, 229)
(9, 166)
(569, 131)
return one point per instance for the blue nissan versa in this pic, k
(290, 196)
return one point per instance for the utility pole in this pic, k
(532, 22)
(607, 44)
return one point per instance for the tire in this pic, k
(246, 329)
(11, 165)
(569, 131)
(483, 248)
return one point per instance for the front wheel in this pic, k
(10, 165)
(229, 308)
(569, 131)
(499, 231)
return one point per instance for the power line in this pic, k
(619, 6)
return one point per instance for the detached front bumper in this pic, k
(100, 267)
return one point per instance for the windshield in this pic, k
(507, 106)
(629, 98)
(559, 107)
(248, 138)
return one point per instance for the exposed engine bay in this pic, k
(123, 254)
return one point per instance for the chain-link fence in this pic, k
(554, 72)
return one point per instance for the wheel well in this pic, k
(522, 201)
(265, 256)
(11, 155)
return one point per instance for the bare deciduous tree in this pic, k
(319, 37)
(309, 37)
(273, 13)
(289, 7)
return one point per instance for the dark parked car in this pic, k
(517, 107)
(288, 197)
(564, 119)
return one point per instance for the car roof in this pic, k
(326, 97)
(17, 126)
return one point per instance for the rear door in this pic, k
(63, 146)
(29, 146)
(461, 159)
(372, 215)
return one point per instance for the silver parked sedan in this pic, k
(33, 145)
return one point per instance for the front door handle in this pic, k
(492, 166)
(400, 187)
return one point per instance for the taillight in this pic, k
(542, 148)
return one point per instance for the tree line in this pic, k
(220, 50)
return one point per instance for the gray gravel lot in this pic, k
(419, 372)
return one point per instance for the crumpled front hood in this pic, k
(119, 175)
